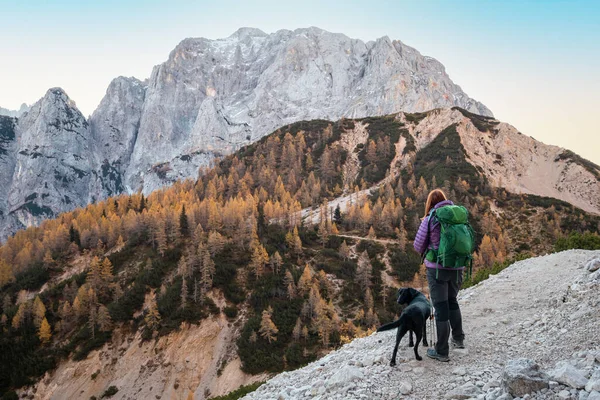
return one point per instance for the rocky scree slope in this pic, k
(209, 98)
(542, 309)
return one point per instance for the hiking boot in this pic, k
(431, 353)
(459, 344)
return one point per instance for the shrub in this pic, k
(111, 391)
(230, 312)
(586, 241)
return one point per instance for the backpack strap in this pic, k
(430, 254)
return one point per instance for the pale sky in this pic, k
(534, 64)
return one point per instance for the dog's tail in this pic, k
(389, 326)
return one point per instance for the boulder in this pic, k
(594, 395)
(405, 388)
(466, 391)
(345, 375)
(568, 375)
(593, 264)
(523, 376)
(593, 383)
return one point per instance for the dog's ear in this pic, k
(402, 296)
(413, 293)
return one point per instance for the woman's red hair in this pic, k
(435, 196)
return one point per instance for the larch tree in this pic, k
(486, 251)
(6, 302)
(44, 332)
(344, 251)
(104, 320)
(371, 234)
(94, 277)
(305, 281)
(78, 308)
(215, 243)
(39, 312)
(294, 242)
(183, 267)
(260, 258)
(48, 261)
(297, 331)
(120, 243)
(207, 271)
(276, 262)
(305, 333)
(152, 317)
(66, 316)
(289, 284)
(20, 316)
(161, 234)
(268, 330)
(184, 293)
(364, 271)
(323, 232)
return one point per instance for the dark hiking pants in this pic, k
(443, 290)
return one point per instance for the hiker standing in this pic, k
(444, 283)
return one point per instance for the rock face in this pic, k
(114, 127)
(209, 98)
(52, 171)
(214, 96)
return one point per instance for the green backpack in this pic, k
(456, 238)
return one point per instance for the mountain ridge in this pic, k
(211, 97)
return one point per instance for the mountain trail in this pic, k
(543, 309)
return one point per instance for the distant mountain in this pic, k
(208, 99)
(15, 113)
(214, 96)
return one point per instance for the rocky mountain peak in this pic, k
(53, 161)
(212, 97)
(247, 32)
(14, 113)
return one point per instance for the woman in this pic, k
(444, 284)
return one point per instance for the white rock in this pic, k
(593, 264)
(594, 382)
(567, 374)
(465, 391)
(405, 388)
(344, 375)
(594, 396)
(523, 376)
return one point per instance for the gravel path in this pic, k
(544, 309)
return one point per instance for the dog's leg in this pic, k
(401, 332)
(410, 339)
(418, 333)
(425, 334)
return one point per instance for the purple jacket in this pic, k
(429, 236)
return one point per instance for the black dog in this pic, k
(412, 319)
